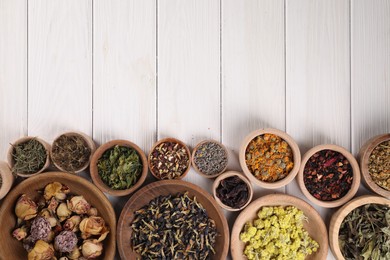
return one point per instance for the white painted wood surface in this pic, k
(146, 69)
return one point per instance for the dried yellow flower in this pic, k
(26, 208)
(56, 190)
(92, 226)
(63, 212)
(41, 251)
(91, 248)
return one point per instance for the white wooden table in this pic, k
(195, 69)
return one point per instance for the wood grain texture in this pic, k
(60, 67)
(13, 72)
(125, 71)
(370, 70)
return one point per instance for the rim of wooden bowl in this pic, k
(23, 140)
(319, 232)
(227, 175)
(91, 144)
(7, 179)
(364, 156)
(95, 174)
(173, 140)
(155, 188)
(355, 171)
(109, 249)
(296, 156)
(209, 176)
(341, 213)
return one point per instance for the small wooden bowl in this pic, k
(95, 173)
(164, 188)
(210, 176)
(295, 150)
(173, 140)
(355, 182)
(341, 213)
(23, 140)
(7, 179)
(90, 143)
(227, 175)
(314, 226)
(13, 249)
(364, 156)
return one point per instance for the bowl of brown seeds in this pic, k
(209, 158)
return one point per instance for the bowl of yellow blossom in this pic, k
(270, 158)
(279, 226)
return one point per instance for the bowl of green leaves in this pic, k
(118, 167)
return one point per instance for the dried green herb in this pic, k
(120, 167)
(365, 233)
(173, 227)
(71, 152)
(379, 165)
(29, 157)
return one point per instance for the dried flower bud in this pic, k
(40, 228)
(92, 226)
(53, 204)
(20, 233)
(25, 208)
(65, 242)
(92, 212)
(29, 243)
(50, 237)
(64, 258)
(79, 205)
(91, 248)
(63, 212)
(56, 190)
(72, 224)
(41, 251)
(49, 216)
(75, 254)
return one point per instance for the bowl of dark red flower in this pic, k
(329, 175)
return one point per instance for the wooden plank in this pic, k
(59, 67)
(13, 72)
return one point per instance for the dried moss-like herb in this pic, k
(365, 233)
(70, 152)
(120, 167)
(29, 157)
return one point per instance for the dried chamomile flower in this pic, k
(72, 224)
(91, 248)
(20, 233)
(40, 228)
(41, 251)
(25, 208)
(65, 242)
(92, 226)
(79, 205)
(56, 190)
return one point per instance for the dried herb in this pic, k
(71, 152)
(169, 160)
(210, 158)
(173, 227)
(328, 175)
(120, 167)
(269, 158)
(233, 192)
(379, 165)
(365, 233)
(29, 157)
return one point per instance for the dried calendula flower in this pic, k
(92, 226)
(65, 242)
(63, 212)
(75, 254)
(79, 205)
(91, 248)
(56, 190)
(26, 208)
(72, 224)
(20, 233)
(41, 251)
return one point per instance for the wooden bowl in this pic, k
(364, 156)
(355, 182)
(23, 140)
(95, 174)
(173, 140)
(341, 213)
(314, 226)
(7, 179)
(164, 188)
(295, 150)
(210, 176)
(227, 175)
(13, 249)
(90, 143)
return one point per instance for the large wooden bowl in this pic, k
(13, 249)
(164, 188)
(315, 225)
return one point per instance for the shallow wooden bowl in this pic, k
(227, 175)
(210, 176)
(7, 179)
(95, 174)
(13, 249)
(341, 213)
(364, 156)
(315, 225)
(296, 155)
(166, 187)
(355, 182)
(23, 140)
(91, 144)
(173, 140)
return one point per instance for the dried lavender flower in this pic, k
(65, 242)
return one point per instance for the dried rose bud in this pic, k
(91, 248)
(53, 204)
(40, 228)
(20, 233)
(48, 215)
(63, 212)
(79, 205)
(92, 226)
(29, 243)
(92, 212)
(41, 251)
(72, 224)
(56, 190)
(64, 258)
(75, 254)
(50, 237)
(65, 242)
(25, 208)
